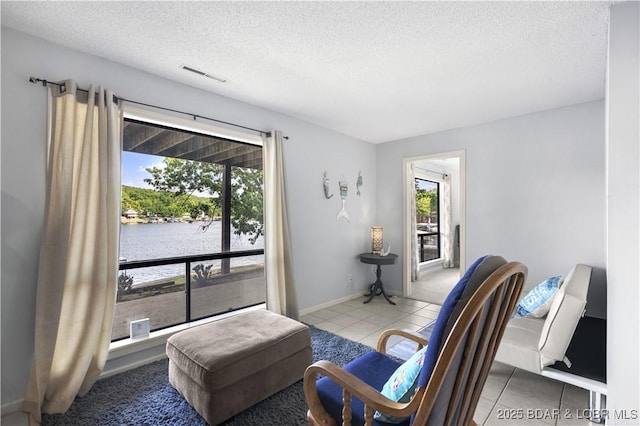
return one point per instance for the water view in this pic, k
(145, 241)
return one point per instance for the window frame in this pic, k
(438, 234)
(167, 120)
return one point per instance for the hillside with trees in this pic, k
(150, 202)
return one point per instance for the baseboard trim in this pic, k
(11, 407)
(334, 302)
(330, 303)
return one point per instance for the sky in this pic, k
(427, 185)
(134, 165)
(134, 171)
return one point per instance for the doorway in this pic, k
(433, 224)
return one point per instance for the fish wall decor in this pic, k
(325, 185)
(344, 189)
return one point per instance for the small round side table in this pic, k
(376, 289)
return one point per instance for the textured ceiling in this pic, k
(378, 71)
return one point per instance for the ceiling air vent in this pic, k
(202, 73)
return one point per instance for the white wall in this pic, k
(535, 191)
(535, 188)
(623, 212)
(325, 249)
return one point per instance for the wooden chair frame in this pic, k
(480, 325)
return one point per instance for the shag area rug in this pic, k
(144, 397)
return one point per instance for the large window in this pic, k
(191, 239)
(428, 219)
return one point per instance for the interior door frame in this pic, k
(406, 205)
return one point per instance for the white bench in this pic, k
(537, 344)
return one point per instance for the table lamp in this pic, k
(376, 239)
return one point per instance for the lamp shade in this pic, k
(376, 239)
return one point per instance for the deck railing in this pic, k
(428, 245)
(207, 291)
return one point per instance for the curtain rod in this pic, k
(431, 171)
(118, 99)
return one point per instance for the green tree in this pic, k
(425, 203)
(150, 202)
(128, 203)
(183, 178)
(246, 204)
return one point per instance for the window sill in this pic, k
(431, 263)
(126, 347)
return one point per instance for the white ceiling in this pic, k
(378, 71)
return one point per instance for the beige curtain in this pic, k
(281, 291)
(415, 250)
(78, 264)
(445, 217)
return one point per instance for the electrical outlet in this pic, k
(351, 280)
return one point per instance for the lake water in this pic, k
(145, 241)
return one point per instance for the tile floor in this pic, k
(510, 397)
(434, 285)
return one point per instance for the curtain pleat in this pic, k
(281, 291)
(78, 263)
(415, 250)
(447, 234)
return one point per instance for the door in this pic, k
(437, 227)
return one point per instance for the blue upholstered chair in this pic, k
(455, 366)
